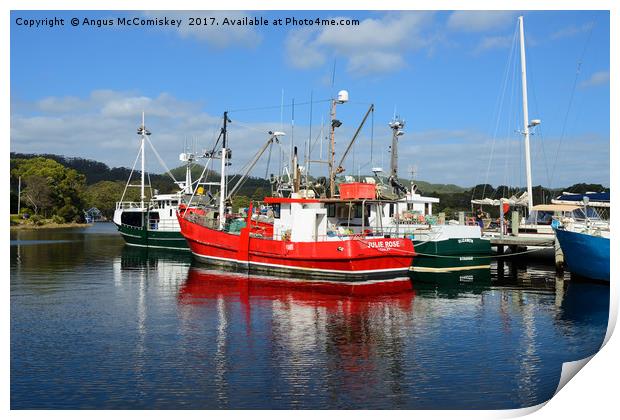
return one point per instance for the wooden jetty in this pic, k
(520, 243)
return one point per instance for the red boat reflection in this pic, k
(209, 284)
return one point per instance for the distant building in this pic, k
(93, 214)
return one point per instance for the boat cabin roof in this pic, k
(281, 200)
(555, 207)
(287, 200)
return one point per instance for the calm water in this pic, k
(95, 324)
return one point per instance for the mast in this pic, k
(143, 133)
(397, 126)
(223, 174)
(188, 178)
(142, 197)
(343, 97)
(332, 151)
(526, 124)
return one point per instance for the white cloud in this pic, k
(480, 21)
(442, 159)
(102, 126)
(218, 36)
(597, 79)
(301, 52)
(375, 62)
(494, 42)
(376, 45)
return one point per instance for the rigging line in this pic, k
(572, 95)
(268, 161)
(292, 127)
(512, 122)
(249, 127)
(540, 131)
(148, 175)
(131, 173)
(277, 106)
(516, 112)
(359, 103)
(316, 139)
(499, 104)
(282, 111)
(307, 151)
(161, 160)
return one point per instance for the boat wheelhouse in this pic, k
(152, 223)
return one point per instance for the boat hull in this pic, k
(449, 255)
(145, 238)
(585, 255)
(344, 260)
(454, 247)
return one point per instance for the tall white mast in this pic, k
(143, 132)
(526, 124)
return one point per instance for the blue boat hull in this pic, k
(585, 255)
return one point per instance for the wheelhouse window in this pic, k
(331, 210)
(276, 211)
(132, 219)
(358, 211)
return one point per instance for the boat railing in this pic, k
(344, 234)
(124, 205)
(164, 225)
(203, 220)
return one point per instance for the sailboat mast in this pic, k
(143, 132)
(526, 124)
(223, 174)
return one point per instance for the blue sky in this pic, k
(79, 91)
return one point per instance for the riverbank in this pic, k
(30, 226)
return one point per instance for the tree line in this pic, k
(62, 187)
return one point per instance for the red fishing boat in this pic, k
(298, 243)
(300, 237)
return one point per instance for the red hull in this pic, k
(345, 260)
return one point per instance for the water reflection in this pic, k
(108, 326)
(452, 284)
(585, 303)
(361, 337)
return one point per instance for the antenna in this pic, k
(292, 126)
(307, 160)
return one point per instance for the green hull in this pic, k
(146, 238)
(451, 255)
(454, 247)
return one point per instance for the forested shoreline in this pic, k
(57, 189)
